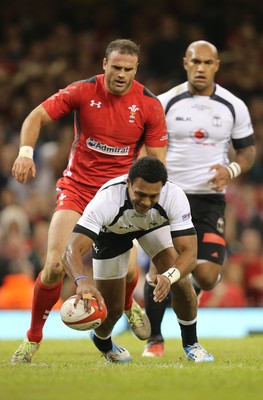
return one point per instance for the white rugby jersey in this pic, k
(110, 211)
(200, 130)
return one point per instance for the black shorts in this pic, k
(208, 214)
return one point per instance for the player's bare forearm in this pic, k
(72, 257)
(32, 125)
(157, 152)
(246, 157)
(186, 247)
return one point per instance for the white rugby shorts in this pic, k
(117, 267)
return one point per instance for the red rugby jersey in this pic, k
(109, 129)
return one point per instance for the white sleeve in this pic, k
(180, 217)
(243, 125)
(97, 213)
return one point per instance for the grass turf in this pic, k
(63, 370)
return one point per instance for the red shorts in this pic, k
(73, 198)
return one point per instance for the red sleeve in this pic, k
(156, 131)
(64, 101)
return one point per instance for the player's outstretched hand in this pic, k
(162, 287)
(86, 292)
(220, 178)
(23, 169)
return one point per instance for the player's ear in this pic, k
(218, 65)
(129, 184)
(104, 63)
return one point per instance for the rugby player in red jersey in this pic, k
(114, 115)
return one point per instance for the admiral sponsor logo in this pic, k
(185, 217)
(104, 148)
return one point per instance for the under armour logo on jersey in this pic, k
(93, 103)
(133, 110)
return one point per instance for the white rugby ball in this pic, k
(80, 320)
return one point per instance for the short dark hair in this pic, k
(123, 46)
(150, 169)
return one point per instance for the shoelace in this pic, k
(135, 317)
(114, 354)
(197, 350)
(24, 348)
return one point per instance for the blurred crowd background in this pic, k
(46, 45)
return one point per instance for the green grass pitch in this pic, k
(74, 369)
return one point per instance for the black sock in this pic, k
(188, 333)
(155, 312)
(103, 345)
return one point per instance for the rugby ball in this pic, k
(80, 320)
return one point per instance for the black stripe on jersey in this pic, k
(126, 206)
(148, 93)
(114, 184)
(185, 232)
(93, 79)
(161, 211)
(87, 232)
(185, 95)
(244, 142)
(226, 103)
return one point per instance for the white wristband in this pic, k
(26, 151)
(234, 169)
(173, 274)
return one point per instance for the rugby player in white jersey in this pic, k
(203, 119)
(142, 205)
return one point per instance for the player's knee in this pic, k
(53, 272)
(208, 282)
(206, 275)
